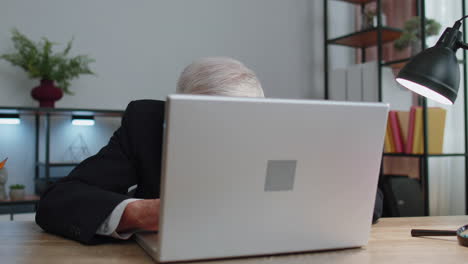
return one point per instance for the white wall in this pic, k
(141, 46)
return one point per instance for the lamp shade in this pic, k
(433, 73)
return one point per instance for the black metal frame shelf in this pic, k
(58, 111)
(395, 33)
(428, 155)
(423, 158)
(392, 62)
(57, 164)
(357, 1)
(12, 204)
(47, 113)
(17, 202)
(388, 63)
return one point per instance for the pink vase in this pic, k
(46, 93)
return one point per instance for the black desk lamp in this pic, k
(434, 73)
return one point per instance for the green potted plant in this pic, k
(39, 61)
(17, 192)
(411, 36)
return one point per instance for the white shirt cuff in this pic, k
(108, 227)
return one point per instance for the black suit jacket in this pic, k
(78, 204)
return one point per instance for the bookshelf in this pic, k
(43, 116)
(357, 1)
(422, 155)
(377, 37)
(367, 38)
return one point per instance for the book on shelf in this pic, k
(389, 146)
(403, 121)
(357, 82)
(396, 131)
(354, 83)
(435, 130)
(410, 136)
(370, 82)
(405, 131)
(338, 85)
(417, 147)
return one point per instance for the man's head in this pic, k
(219, 76)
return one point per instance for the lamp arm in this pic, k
(463, 18)
(462, 45)
(457, 25)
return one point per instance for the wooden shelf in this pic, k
(367, 38)
(397, 64)
(59, 164)
(356, 1)
(429, 155)
(28, 199)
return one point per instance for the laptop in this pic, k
(256, 176)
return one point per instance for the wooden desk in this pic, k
(390, 242)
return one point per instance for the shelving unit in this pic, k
(46, 114)
(367, 38)
(376, 37)
(30, 200)
(422, 155)
(52, 164)
(357, 1)
(397, 64)
(362, 39)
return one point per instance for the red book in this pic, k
(412, 119)
(396, 132)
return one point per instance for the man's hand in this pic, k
(140, 215)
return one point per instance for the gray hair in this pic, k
(219, 76)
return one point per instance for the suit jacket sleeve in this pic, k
(77, 205)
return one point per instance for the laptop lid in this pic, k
(256, 176)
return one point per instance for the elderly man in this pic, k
(93, 202)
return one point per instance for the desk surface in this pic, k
(390, 242)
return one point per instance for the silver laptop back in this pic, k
(255, 176)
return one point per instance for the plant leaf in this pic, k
(38, 60)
